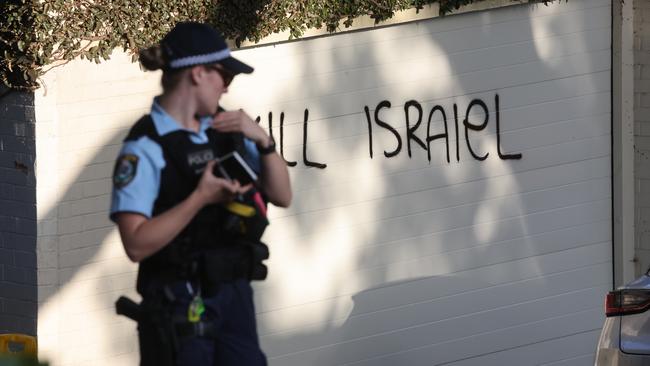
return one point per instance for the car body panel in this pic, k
(635, 333)
(615, 357)
(609, 352)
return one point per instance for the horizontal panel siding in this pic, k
(575, 350)
(431, 343)
(416, 259)
(376, 316)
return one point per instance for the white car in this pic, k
(625, 338)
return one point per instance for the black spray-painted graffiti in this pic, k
(411, 128)
(305, 160)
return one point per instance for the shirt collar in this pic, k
(166, 124)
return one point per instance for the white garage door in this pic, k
(452, 188)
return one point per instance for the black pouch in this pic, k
(247, 228)
(239, 260)
(259, 253)
(255, 227)
(224, 264)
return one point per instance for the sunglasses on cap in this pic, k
(226, 75)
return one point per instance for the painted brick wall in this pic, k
(642, 133)
(82, 114)
(17, 214)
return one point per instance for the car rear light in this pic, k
(626, 302)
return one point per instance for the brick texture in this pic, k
(81, 265)
(18, 292)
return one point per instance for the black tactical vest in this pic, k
(185, 162)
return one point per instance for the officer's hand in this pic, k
(239, 121)
(212, 189)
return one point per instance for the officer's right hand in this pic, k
(213, 189)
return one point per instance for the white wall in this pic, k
(399, 260)
(380, 260)
(83, 113)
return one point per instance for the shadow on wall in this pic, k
(459, 233)
(447, 259)
(77, 320)
(418, 322)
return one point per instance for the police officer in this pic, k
(174, 213)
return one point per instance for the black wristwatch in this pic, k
(266, 150)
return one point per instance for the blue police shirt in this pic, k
(136, 180)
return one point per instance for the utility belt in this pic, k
(210, 267)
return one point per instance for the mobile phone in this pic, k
(233, 167)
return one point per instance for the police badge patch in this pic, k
(125, 169)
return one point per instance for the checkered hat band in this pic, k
(200, 59)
